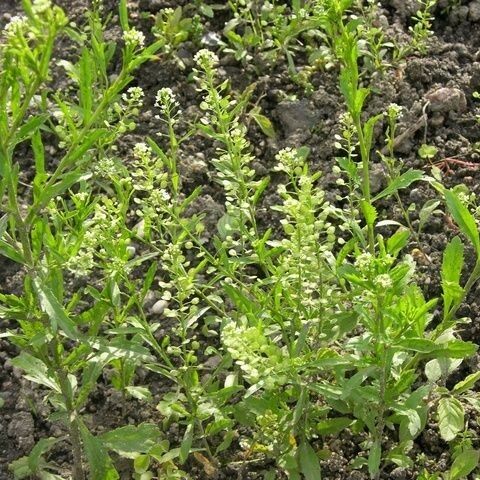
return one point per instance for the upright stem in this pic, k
(365, 154)
(73, 425)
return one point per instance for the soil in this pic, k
(452, 64)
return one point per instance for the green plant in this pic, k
(60, 339)
(173, 28)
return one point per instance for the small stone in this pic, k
(159, 307)
(378, 177)
(399, 473)
(297, 115)
(447, 99)
(474, 11)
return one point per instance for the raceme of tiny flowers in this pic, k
(166, 101)
(17, 24)
(134, 38)
(206, 59)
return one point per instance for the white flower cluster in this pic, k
(134, 38)
(101, 236)
(288, 160)
(259, 358)
(143, 152)
(310, 237)
(17, 24)
(205, 59)
(106, 167)
(395, 111)
(383, 281)
(149, 183)
(166, 101)
(134, 96)
(40, 6)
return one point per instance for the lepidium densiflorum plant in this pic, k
(222, 122)
(281, 330)
(60, 228)
(394, 328)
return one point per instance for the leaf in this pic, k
(36, 371)
(466, 384)
(131, 440)
(403, 181)
(332, 426)
(99, 461)
(29, 128)
(398, 241)
(140, 393)
(414, 422)
(440, 367)
(51, 306)
(309, 462)
(452, 265)
(451, 419)
(426, 212)
(463, 218)
(369, 212)
(35, 457)
(464, 464)
(374, 458)
(123, 14)
(264, 123)
(186, 444)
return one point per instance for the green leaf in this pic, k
(29, 128)
(332, 426)
(427, 151)
(36, 371)
(309, 463)
(452, 266)
(451, 419)
(369, 212)
(463, 218)
(51, 306)
(420, 345)
(403, 181)
(140, 393)
(131, 440)
(466, 384)
(464, 464)
(186, 445)
(398, 241)
(99, 461)
(123, 14)
(43, 446)
(264, 123)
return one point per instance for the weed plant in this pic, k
(269, 341)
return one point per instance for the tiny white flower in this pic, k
(383, 281)
(134, 38)
(205, 59)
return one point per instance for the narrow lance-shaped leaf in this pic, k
(309, 463)
(463, 218)
(452, 266)
(403, 181)
(51, 306)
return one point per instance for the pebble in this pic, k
(399, 473)
(446, 99)
(474, 11)
(159, 307)
(297, 115)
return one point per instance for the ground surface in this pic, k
(453, 62)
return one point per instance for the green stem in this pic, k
(365, 155)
